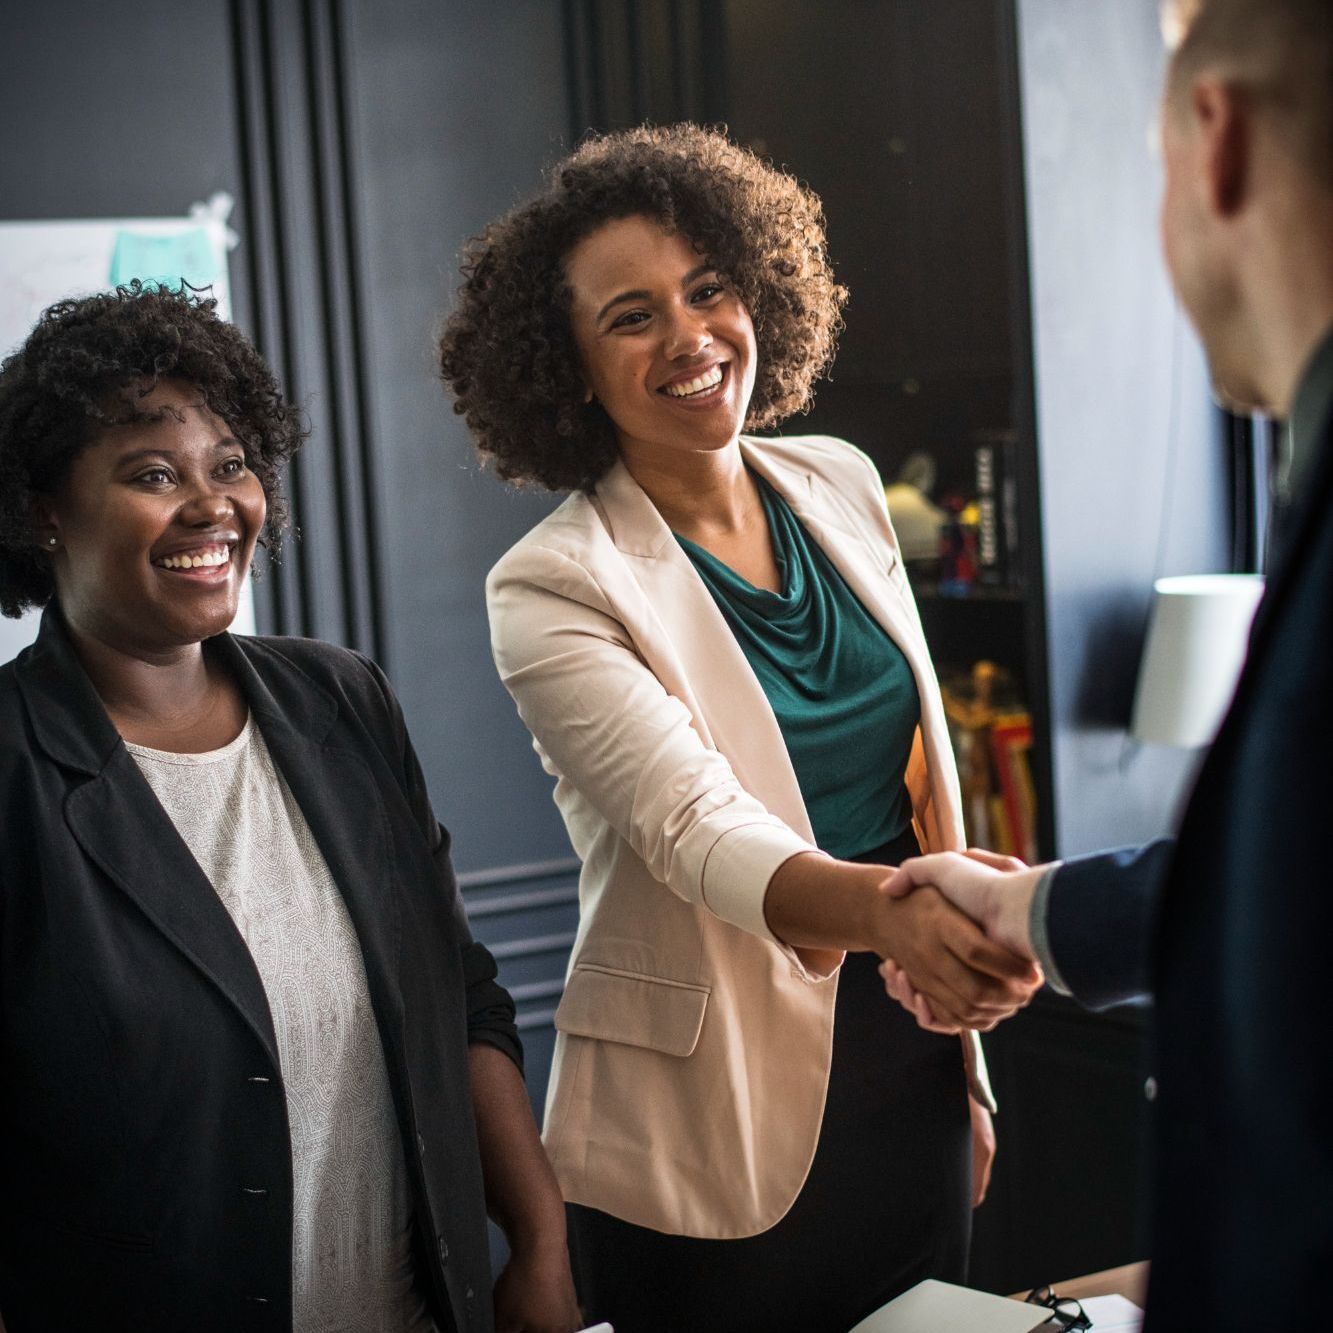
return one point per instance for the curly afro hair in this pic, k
(508, 350)
(84, 368)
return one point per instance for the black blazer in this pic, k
(141, 1102)
(1243, 906)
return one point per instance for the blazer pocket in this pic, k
(633, 1008)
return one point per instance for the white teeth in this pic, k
(218, 555)
(708, 380)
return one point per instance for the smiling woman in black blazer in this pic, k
(254, 1071)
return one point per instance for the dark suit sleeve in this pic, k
(1101, 918)
(490, 1008)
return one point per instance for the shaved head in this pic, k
(1280, 52)
(1247, 203)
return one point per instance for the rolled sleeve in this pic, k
(490, 1008)
(741, 858)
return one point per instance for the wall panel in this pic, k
(1131, 475)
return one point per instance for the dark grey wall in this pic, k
(1131, 478)
(453, 111)
(84, 102)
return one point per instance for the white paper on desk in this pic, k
(1112, 1314)
(940, 1307)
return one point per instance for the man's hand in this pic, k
(967, 980)
(995, 891)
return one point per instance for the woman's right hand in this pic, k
(967, 980)
(816, 902)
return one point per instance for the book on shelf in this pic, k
(1010, 741)
(992, 740)
(997, 509)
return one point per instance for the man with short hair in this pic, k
(1230, 925)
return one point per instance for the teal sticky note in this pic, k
(164, 261)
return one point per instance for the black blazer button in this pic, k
(444, 1251)
(421, 1145)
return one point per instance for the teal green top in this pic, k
(841, 689)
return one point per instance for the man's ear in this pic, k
(1223, 122)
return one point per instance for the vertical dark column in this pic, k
(299, 221)
(451, 112)
(341, 274)
(1023, 414)
(635, 61)
(279, 596)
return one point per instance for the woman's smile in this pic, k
(667, 346)
(157, 522)
(696, 386)
(207, 562)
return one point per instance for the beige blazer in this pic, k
(692, 1049)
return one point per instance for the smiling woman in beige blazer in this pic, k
(748, 1134)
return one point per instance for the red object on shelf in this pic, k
(1011, 739)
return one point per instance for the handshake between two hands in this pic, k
(969, 963)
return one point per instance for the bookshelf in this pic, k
(927, 227)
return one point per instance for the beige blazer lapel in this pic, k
(931, 775)
(689, 646)
(827, 519)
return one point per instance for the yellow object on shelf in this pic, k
(992, 737)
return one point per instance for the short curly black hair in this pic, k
(84, 367)
(508, 352)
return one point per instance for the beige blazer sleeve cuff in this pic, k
(737, 871)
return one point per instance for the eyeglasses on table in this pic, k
(1066, 1312)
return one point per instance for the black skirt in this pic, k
(886, 1203)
